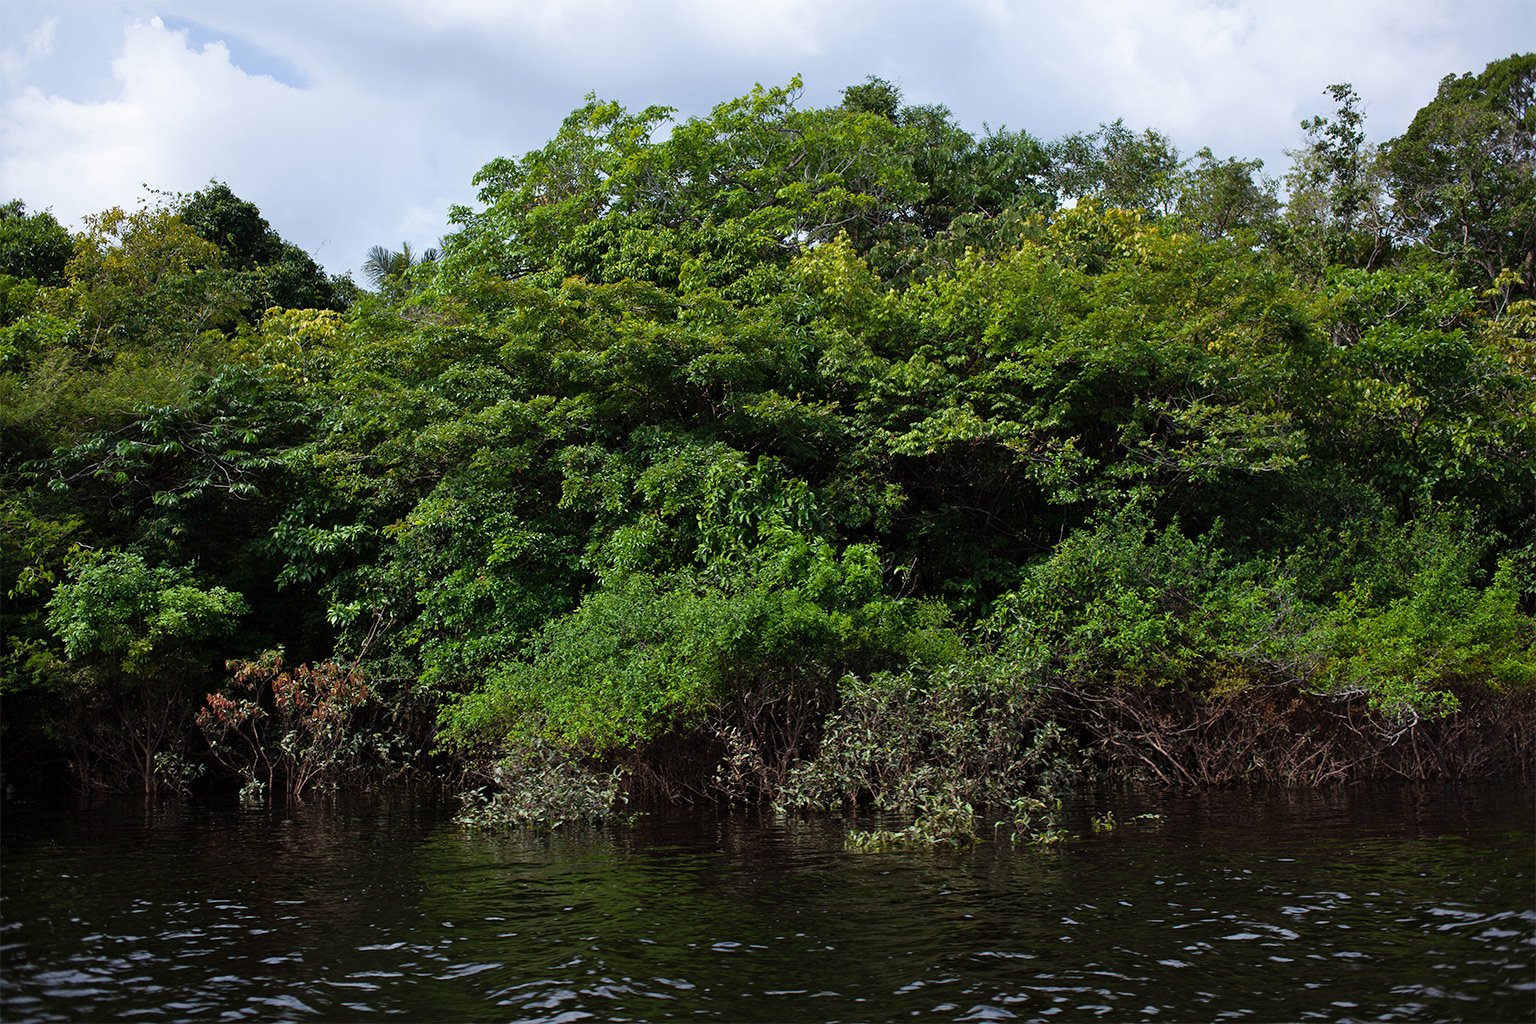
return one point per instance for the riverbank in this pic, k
(909, 747)
(958, 755)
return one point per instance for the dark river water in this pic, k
(1380, 903)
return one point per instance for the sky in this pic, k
(354, 123)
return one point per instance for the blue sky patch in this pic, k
(243, 54)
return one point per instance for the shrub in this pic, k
(539, 786)
(1416, 622)
(1127, 603)
(921, 743)
(290, 724)
(645, 656)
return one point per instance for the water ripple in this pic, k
(1243, 910)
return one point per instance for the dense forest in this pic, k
(828, 456)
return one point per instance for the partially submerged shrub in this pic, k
(538, 786)
(934, 746)
(898, 738)
(276, 723)
(945, 821)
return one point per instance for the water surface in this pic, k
(1381, 903)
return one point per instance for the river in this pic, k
(1368, 903)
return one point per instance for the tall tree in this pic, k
(385, 265)
(1463, 176)
(273, 271)
(147, 280)
(1337, 195)
(1119, 167)
(1220, 197)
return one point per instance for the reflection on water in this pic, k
(1368, 904)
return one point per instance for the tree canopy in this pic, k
(703, 437)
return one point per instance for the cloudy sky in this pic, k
(358, 122)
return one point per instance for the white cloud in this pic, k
(35, 46)
(332, 167)
(180, 117)
(635, 33)
(1239, 75)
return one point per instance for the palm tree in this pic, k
(384, 263)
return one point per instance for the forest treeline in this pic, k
(823, 455)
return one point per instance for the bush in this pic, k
(921, 744)
(296, 724)
(137, 640)
(1416, 622)
(538, 786)
(645, 656)
(1127, 603)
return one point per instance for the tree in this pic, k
(967, 182)
(873, 96)
(33, 246)
(385, 266)
(1463, 176)
(274, 272)
(1119, 167)
(1221, 197)
(738, 191)
(136, 636)
(233, 224)
(697, 419)
(1337, 191)
(147, 281)
(1421, 403)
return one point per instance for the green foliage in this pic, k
(1464, 174)
(199, 480)
(135, 620)
(1221, 198)
(938, 748)
(944, 821)
(233, 224)
(1120, 168)
(33, 247)
(390, 271)
(541, 787)
(1421, 401)
(694, 418)
(754, 182)
(34, 549)
(135, 640)
(303, 344)
(644, 656)
(1337, 204)
(270, 271)
(146, 279)
(1419, 621)
(1127, 603)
